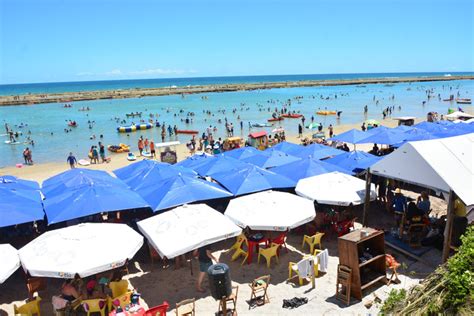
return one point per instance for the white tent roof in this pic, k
(85, 249)
(186, 228)
(9, 261)
(271, 211)
(440, 164)
(458, 114)
(334, 188)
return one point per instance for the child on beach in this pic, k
(71, 160)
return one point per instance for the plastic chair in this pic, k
(122, 300)
(94, 306)
(293, 268)
(30, 308)
(159, 310)
(260, 285)
(268, 254)
(281, 241)
(186, 307)
(118, 287)
(238, 243)
(241, 240)
(312, 241)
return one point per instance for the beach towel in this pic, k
(305, 267)
(323, 258)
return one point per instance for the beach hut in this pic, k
(334, 188)
(10, 261)
(186, 228)
(85, 249)
(258, 140)
(270, 211)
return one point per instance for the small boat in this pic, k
(131, 157)
(121, 148)
(447, 100)
(139, 114)
(275, 119)
(326, 112)
(463, 101)
(72, 124)
(261, 125)
(292, 115)
(186, 131)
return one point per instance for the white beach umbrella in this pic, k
(334, 188)
(85, 249)
(270, 210)
(186, 228)
(9, 261)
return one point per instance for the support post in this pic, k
(368, 177)
(448, 230)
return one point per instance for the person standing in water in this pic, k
(71, 161)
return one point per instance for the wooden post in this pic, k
(448, 230)
(368, 177)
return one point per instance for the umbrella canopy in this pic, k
(317, 151)
(404, 128)
(186, 228)
(9, 263)
(271, 158)
(14, 183)
(251, 179)
(354, 160)
(194, 161)
(270, 210)
(20, 206)
(385, 136)
(307, 167)
(430, 127)
(288, 148)
(242, 153)
(85, 249)
(352, 136)
(219, 164)
(178, 190)
(135, 173)
(335, 189)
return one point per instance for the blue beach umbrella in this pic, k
(14, 183)
(430, 127)
(242, 153)
(354, 161)
(307, 167)
(178, 190)
(20, 206)
(318, 151)
(135, 173)
(194, 161)
(352, 136)
(252, 179)
(218, 164)
(386, 137)
(271, 158)
(288, 148)
(404, 128)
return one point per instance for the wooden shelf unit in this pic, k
(364, 274)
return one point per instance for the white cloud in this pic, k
(85, 73)
(114, 72)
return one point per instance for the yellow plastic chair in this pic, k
(238, 243)
(93, 306)
(312, 241)
(241, 240)
(118, 287)
(268, 254)
(29, 309)
(293, 268)
(123, 300)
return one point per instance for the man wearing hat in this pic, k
(399, 204)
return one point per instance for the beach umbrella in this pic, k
(354, 160)
(377, 130)
(404, 128)
(271, 211)
(288, 148)
(14, 183)
(430, 127)
(271, 158)
(20, 206)
(194, 161)
(352, 136)
(251, 179)
(85, 249)
(385, 136)
(9, 262)
(372, 122)
(186, 228)
(307, 167)
(278, 130)
(242, 153)
(135, 173)
(178, 190)
(317, 151)
(334, 188)
(218, 164)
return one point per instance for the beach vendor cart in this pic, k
(167, 152)
(232, 143)
(258, 140)
(405, 120)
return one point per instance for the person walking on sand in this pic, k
(146, 143)
(71, 160)
(102, 152)
(300, 131)
(331, 130)
(140, 146)
(205, 258)
(152, 149)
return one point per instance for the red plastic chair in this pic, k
(344, 227)
(159, 310)
(280, 240)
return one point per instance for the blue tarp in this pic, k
(194, 161)
(307, 167)
(242, 153)
(351, 136)
(252, 179)
(354, 160)
(219, 164)
(271, 158)
(288, 148)
(178, 190)
(318, 151)
(384, 136)
(20, 201)
(135, 173)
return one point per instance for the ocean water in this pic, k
(47, 122)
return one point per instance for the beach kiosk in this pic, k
(258, 140)
(405, 120)
(167, 152)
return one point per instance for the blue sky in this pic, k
(52, 40)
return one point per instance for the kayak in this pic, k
(8, 142)
(292, 115)
(261, 125)
(186, 131)
(146, 154)
(121, 148)
(326, 112)
(275, 119)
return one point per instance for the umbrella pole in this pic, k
(368, 177)
(448, 230)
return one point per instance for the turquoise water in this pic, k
(44, 119)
